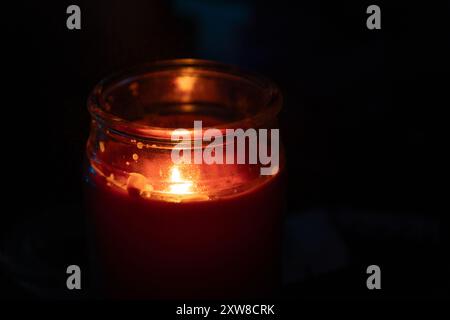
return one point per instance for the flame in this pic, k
(185, 83)
(178, 184)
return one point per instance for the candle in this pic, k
(181, 230)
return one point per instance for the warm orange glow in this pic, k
(185, 83)
(177, 184)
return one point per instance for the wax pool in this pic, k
(192, 247)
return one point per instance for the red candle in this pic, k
(166, 230)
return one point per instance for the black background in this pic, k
(359, 106)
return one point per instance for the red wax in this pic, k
(223, 248)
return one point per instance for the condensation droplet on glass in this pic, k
(140, 145)
(102, 146)
(135, 157)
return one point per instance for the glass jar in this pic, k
(198, 229)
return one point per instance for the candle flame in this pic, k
(178, 184)
(185, 83)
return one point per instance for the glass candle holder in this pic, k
(189, 230)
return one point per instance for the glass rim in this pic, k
(96, 101)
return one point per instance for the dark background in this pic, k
(359, 106)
